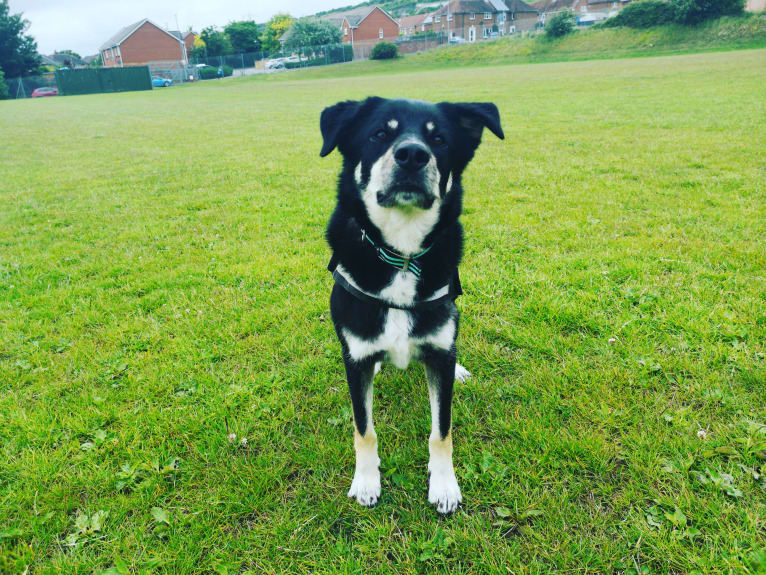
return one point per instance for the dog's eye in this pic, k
(381, 135)
(437, 139)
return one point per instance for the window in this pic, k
(345, 31)
(437, 18)
(449, 17)
(472, 16)
(583, 8)
(486, 32)
(512, 30)
(488, 15)
(380, 33)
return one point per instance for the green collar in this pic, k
(405, 263)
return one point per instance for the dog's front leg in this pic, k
(366, 484)
(443, 489)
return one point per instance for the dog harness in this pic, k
(450, 291)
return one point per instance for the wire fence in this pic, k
(245, 64)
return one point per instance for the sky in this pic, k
(83, 25)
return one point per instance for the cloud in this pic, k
(83, 25)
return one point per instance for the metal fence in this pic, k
(24, 87)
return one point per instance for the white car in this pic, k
(276, 64)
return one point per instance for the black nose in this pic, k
(411, 156)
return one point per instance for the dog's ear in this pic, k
(334, 120)
(474, 117)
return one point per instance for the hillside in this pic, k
(730, 33)
(393, 7)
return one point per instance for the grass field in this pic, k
(163, 285)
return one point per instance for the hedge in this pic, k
(211, 72)
(384, 51)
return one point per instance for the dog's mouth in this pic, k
(405, 195)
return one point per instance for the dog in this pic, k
(396, 243)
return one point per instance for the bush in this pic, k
(696, 11)
(384, 51)
(211, 72)
(560, 25)
(644, 14)
(3, 87)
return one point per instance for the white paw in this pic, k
(377, 367)
(444, 492)
(461, 373)
(366, 487)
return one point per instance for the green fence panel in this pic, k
(101, 80)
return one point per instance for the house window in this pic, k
(437, 18)
(345, 31)
(583, 8)
(486, 32)
(488, 15)
(449, 18)
(512, 30)
(473, 16)
(380, 33)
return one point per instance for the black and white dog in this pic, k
(396, 243)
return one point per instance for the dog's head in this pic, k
(403, 154)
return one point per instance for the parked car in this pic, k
(276, 64)
(159, 82)
(45, 92)
(457, 40)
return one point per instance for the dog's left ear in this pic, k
(474, 117)
(333, 121)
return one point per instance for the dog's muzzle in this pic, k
(410, 178)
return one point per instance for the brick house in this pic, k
(141, 43)
(411, 25)
(189, 38)
(366, 25)
(475, 20)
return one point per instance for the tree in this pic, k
(3, 87)
(384, 51)
(277, 26)
(96, 62)
(18, 51)
(304, 33)
(199, 50)
(696, 11)
(560, 24)
(216, 42)
(244, 36)
(644, 14)
(71, 53)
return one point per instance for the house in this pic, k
(141, 43)
(189, 39)
(411, 25)
(755, 5)
(587, 12)
(367, 25)
(482, 19)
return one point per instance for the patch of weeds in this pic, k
(95, 440)
(661, 515)
(437, 548)
(161, 528)
(512, 523)
(130, 477)
(87, 528)
(722, 481)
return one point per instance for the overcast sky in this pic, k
(83, 25)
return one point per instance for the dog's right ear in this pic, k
(334, 121)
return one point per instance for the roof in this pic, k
(519, 6)
(177, 34)
(128, 31)
(355, 17)
(554, 5)
(416, 20)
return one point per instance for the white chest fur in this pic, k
(397, 341)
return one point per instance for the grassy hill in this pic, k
(730, 33)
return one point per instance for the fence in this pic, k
(102, 80)
(24, 87)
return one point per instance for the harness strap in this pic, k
(451, 292)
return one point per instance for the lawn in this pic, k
(163, 285)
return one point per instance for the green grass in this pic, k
(163, 284)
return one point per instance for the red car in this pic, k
(43, 92)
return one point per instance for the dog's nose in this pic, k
(411, 156)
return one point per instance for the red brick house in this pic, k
(370, 24)
(411, 25)
(189, 41)
(141, 43)
(475, 20)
